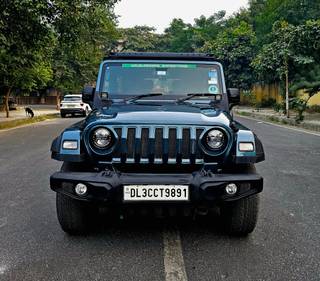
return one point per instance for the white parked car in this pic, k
(73, 104)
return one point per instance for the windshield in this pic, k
(170, 79)
(69, 98)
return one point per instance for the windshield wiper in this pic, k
(134, 98)
(191, 96)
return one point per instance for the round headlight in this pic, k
(215, 139)
(101, 138)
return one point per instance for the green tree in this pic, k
(179, 37)
(266, 12)
(206, 29)
(25, 40)
(292, 47)
(234, 46)
(138, 39)
(85, 32)
(309, 82)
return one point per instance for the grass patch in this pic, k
(243, 113)
(25, 121)
(273, 119)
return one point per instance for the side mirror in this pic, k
(88, 94)
(233, 97)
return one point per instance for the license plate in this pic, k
(156, 193)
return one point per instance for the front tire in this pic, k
(240, 217)
(75, 216)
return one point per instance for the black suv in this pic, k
(160, 136)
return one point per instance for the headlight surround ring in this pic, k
(219, 149)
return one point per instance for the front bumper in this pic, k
(107, 187)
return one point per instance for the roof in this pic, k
(161, 56)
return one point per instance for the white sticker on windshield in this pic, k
(161, 72)
(213, 81)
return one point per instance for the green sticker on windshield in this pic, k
(159, 65)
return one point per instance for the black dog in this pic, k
(29, 112)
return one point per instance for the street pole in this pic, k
(287, 94)
(287, 87)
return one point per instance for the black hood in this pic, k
(160, 113)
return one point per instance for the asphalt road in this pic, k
(284, 246)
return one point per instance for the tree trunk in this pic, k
(57, 99)
(287, 91)
(6, 101)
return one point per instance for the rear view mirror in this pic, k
(88, 94)
(233, 97)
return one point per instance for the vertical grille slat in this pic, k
(158, 145)
(199, 154)
(131, 143)
(193, 144)
(165, 145)
(117, 152)
(172, 143)
(144, 142)
(185, 144)
(162, 145)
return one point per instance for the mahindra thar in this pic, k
(160, 137)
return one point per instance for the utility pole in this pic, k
(287, 88)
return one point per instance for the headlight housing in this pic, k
(101, 138)
(215, 139)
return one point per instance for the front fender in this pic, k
(248, 157)
(69, 155)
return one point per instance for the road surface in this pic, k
(284, 246)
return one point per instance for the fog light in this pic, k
(81, 189)
(231, 188)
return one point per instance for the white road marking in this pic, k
(281, 126)
(173, 259)
(3, 269)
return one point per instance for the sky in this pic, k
(159, 13)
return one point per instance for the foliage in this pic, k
(234, 47)
(138, 39)
(59, 43)
(300, 105)
(290, 53)
(25, 37)
(264, 13)
(85, 31)
(309, 82)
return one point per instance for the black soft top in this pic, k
(161, 56)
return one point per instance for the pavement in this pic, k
(21, 114)
(310, 122)
(284, 246)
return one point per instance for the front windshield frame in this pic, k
(104, 65)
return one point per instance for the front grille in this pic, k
(158, 145)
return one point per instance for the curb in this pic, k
(279, 120)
